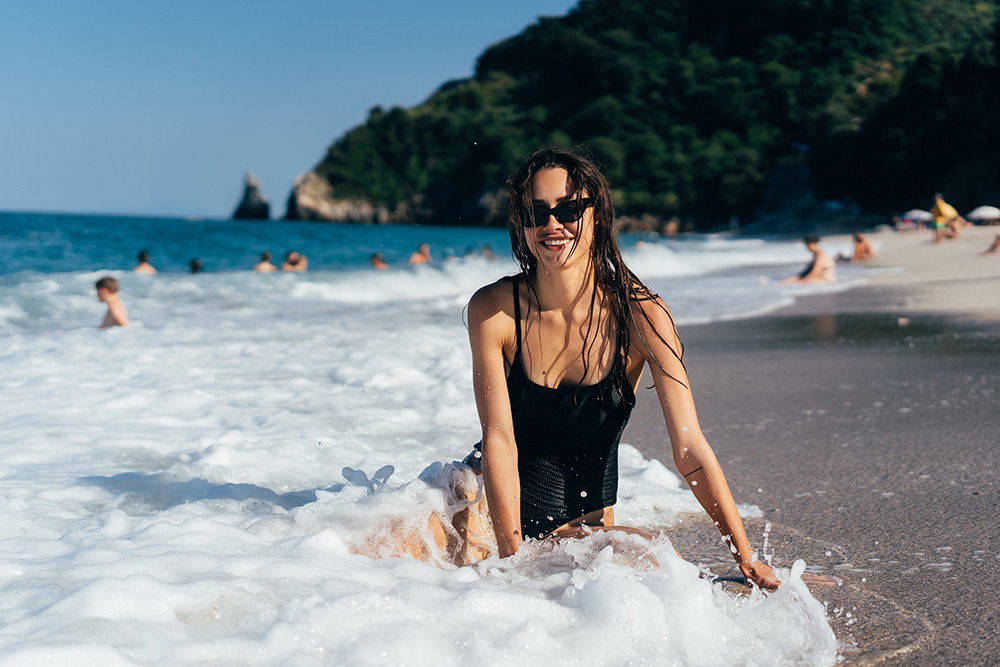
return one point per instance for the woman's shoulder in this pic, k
(492, 299)
(652, 317)
(643, 299)
(499, 290)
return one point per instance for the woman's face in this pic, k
(557, 245)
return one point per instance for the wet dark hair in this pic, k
(143, 256)
(612, 277)
(809, 240)
(108, 283)
(196, 265)
(265, 256)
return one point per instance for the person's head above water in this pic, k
(143, 256)
(196, 265)
(293, 257)
(265, 256)
(811, 242)
(107, 283)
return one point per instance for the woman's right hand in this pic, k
(761, 574)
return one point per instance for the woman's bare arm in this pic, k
(489, 327)
(692, 454)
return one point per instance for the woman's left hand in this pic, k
(761, 574)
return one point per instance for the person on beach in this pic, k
(378, 261)
(863, 250)
(295, 262)
(422, 255)
(196, 265)
(994, 247)
(820, 270)
(265, 265)
(107, 293)
(946, 219)
(557, 354)
(143, 265)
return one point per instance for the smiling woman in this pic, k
(558, 350)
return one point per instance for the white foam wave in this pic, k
(172, 491)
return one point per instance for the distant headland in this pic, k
(709, 111)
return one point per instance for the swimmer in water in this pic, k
(107, 293)
(821, 269)
(422, 255)
(265, 265)
(378, 261)
(144, 266)
(295, 262)
(196, 265)
(557, 353)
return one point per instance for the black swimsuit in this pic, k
(567, 442)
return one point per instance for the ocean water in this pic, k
(173, 492)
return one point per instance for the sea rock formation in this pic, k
(253, 205)
(312, 198)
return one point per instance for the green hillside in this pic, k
(695, 106)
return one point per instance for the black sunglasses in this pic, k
(565, 212)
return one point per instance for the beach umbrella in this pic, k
(984, 213)
(918, 215)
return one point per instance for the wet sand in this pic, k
(866, 426)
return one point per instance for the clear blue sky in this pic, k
(158, 107)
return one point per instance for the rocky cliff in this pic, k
(252, 205)
(312, 198)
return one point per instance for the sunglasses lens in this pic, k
(567, 212)
(539, 218)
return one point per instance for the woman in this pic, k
(557, 353)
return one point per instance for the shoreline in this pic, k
(863, 424)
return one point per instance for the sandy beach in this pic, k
(864, 424)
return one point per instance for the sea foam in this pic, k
(172, 492)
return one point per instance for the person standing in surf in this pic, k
(557, 353)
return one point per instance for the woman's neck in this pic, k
(564, 290)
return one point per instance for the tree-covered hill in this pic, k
(694, 107)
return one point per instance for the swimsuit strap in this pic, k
(517, 314)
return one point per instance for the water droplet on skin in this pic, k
(684, 428)
(685, 449)
(583, 494)
(694, 482)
